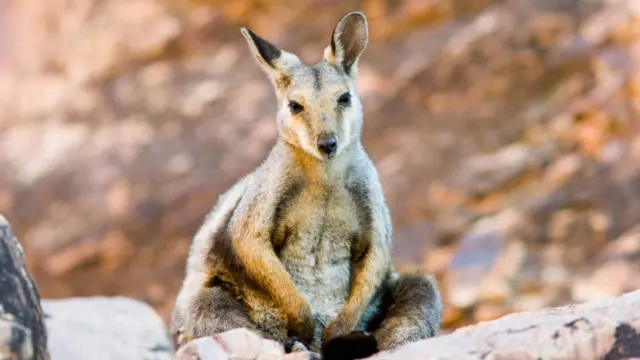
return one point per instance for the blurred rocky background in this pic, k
(506, 134)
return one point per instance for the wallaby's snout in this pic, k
(327, 144)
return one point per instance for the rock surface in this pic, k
(514, 124)
(236, 344)
(23, 334)
(105, 329)
(602, 329)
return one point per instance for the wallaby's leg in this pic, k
(412, 311)
(213, 311)
(407, 308)
(216, 311)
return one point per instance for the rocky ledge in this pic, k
(605, 329)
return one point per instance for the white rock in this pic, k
(105, 328)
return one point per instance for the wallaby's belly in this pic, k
(320, 271)
(323, 280)
(324, 285)
(317, 254)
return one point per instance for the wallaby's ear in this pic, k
(348, 41)
(274, 61)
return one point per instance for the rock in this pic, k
(483, 173)
(489, 311)
(15, 340)
(23, 334)
(627, 246)
(237, 344)
(581, 232)
(486, 259)
(564, 168)
(452, 316)
(104, 328)
(610, 279)
(601, 329)
(605, 329)
(616, 270)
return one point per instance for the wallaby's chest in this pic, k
(319, 228)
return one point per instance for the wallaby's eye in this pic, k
(344, 99)
(295, 107)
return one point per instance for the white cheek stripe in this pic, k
(346, 133)
(305, 141)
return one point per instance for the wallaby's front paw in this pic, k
(293, 344)
(339, 326)
(301, 325)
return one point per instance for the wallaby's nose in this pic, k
(327, 144)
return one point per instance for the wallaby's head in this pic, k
(318, 107)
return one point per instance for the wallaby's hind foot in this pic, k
(355, 345)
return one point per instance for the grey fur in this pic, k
(301, 246)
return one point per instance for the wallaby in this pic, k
(300, 248)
